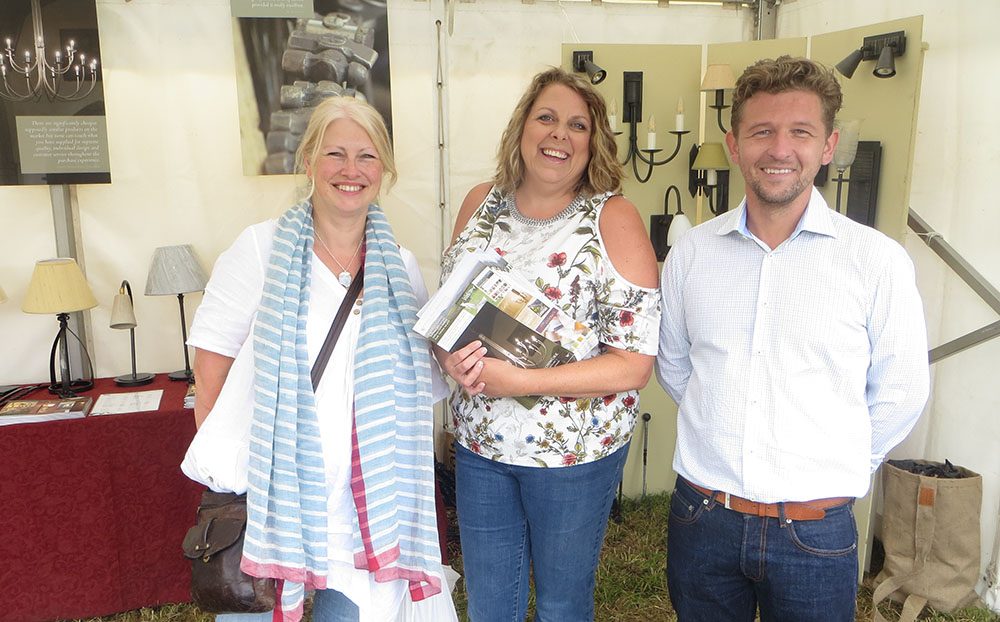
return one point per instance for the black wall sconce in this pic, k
(583, 62)
(632, 114)
(718, 78)
(709, 175)
(884, 48)
(666, 228)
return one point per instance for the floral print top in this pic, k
(565, 258)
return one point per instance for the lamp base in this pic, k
(182, 374)
(130, 380)
(75, 387)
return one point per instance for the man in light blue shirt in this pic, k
(793, 341)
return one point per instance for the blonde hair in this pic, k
(344, 107)
(603, 173)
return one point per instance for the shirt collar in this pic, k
(816, 219)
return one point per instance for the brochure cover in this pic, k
(27, 411)
(486, 299)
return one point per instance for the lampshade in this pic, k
(718, 77)
(122, 313)
(3, 296)
(679, 225)
(58, 286)
(847, 145)
(711, 156)
(175, 270)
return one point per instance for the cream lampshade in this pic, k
(58, 286)
(176, 270)
(3, 296)
(718, 77)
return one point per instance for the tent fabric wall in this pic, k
(955, 156)
(175, 155)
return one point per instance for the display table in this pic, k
(93, 510)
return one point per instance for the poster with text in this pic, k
(294, 61)
(52, 124)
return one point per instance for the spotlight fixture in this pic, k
(882, 48)
(718, 78)
(583, 62)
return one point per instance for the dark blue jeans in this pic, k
(551, 518)
(722, 565)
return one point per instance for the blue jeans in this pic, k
(722, 565)
(553, 519)
(328, 606)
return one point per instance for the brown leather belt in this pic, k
(794, 510)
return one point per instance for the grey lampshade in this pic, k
(122, 313)
(175, 270)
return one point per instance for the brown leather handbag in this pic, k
(215, 547)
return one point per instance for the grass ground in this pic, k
(631, 586)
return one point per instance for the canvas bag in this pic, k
(930, 530)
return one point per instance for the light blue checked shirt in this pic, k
(796, 369)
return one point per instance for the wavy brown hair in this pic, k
(603, 172)
(787, 73)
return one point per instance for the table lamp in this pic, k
(175, 270)
(58, 286)
(122, 317)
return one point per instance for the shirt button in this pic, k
(356, 312)
(357, 302)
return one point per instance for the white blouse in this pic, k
(218, 456)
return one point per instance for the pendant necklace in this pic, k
(345, 276)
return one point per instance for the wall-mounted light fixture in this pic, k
(719, 78)
(710, 176)
(884, 48)
(663, 231)
(632, 114)
(583, 62)
(846, 151)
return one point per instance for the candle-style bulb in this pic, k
(613, 110)
(680, 105)
(652, 123)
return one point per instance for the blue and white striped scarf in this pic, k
(392, 469)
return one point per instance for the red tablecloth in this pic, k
(93, 511)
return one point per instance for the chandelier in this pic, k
(44, 78)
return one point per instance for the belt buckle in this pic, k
(726, 497)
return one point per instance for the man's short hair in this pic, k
(787, 73)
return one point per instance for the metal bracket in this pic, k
(972, 278)
(872, 46)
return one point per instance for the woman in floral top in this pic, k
(535, 485)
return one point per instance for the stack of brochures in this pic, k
(30, 411)
(189, 396)
(486, 299)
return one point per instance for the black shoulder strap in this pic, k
(337, 326)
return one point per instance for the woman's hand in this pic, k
(464, 366)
